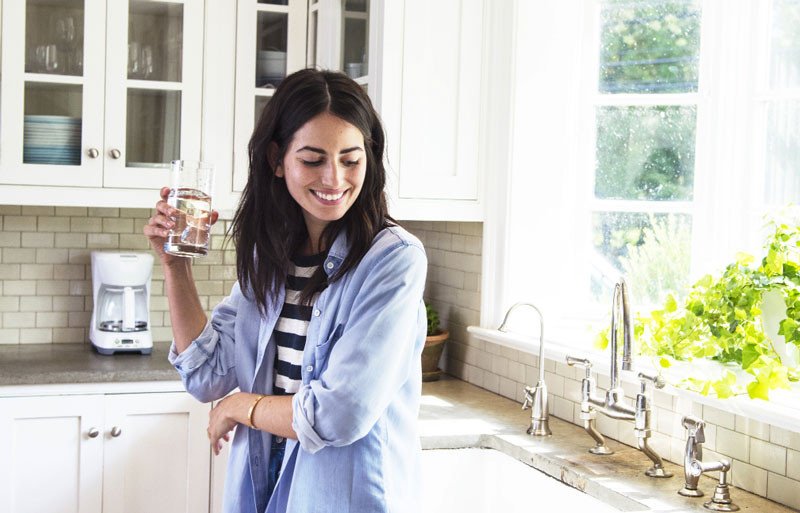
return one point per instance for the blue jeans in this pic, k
(275, 461)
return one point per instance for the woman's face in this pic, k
(324, 169)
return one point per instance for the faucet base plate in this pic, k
(602, 450)
(539, 428)
(716, 506)
(657, 472)
(687, 492)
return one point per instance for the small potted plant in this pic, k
(434, 344)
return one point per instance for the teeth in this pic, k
(329, 197)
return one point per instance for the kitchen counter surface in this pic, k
(41, 364)
(455, 414)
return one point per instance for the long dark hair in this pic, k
(268, 228)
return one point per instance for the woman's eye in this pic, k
(313, 163)
(351, 163)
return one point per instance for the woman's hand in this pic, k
(223, 417)
(158, 226)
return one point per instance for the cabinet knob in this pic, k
(116, 431)
(93, 153)
(93, 432)
(115, 153)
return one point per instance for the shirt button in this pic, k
(329, 265)
(316, 313)
(310, 368)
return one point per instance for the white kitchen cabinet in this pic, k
(422, 64)
(98, 96)
(432, 100)
(108, 453)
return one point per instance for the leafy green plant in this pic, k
(433, 320)
(720, 319)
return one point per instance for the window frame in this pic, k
(724, 142)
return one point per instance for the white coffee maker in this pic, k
(121, 291)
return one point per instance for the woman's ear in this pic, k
(273, 154)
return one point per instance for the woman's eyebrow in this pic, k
(323, 152)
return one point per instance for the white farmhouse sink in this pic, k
(488, 481)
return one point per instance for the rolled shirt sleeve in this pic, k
(372, 357)
(206, 365)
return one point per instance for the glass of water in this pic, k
(191, 185)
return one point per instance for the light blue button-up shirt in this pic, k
(355, 414)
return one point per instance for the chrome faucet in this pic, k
(696, 437)
(535, 397)
(613, 404)
(693, 468)
(620, 313)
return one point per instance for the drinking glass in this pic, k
(191, 185)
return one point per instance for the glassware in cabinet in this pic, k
(154, 84)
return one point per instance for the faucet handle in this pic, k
(657, 380)
(580, 362)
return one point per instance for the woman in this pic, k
(323, 331)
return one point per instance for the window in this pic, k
(649, 140)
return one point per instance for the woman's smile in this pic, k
(329, 197)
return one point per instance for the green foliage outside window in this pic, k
(649, 46)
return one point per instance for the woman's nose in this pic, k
(332, 174)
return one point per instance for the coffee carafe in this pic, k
(121, 293)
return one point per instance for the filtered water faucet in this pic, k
(535, 397)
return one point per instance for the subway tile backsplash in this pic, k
(46, 297)
(45, 270)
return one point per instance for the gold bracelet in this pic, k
(252, 410)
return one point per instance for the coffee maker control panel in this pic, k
(127, 342)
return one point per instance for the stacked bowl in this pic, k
(52, 140)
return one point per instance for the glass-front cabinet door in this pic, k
(52, 91)
(339, 37)
(153, 89)
(99, 93)
(270, 44)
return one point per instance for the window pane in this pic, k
(649, 46)
(785, 55)
(645, 153)
(651, 251)
(783, 153)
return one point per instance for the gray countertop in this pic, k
(40, 364)
(455, 414)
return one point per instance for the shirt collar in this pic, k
(337, 253)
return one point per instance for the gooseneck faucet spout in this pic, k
(535, 397)
(620, 314)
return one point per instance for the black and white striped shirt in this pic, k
(292, 326)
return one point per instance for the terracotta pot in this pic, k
(431, 353)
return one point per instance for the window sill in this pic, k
(782, 410)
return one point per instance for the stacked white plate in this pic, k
(52, 140)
